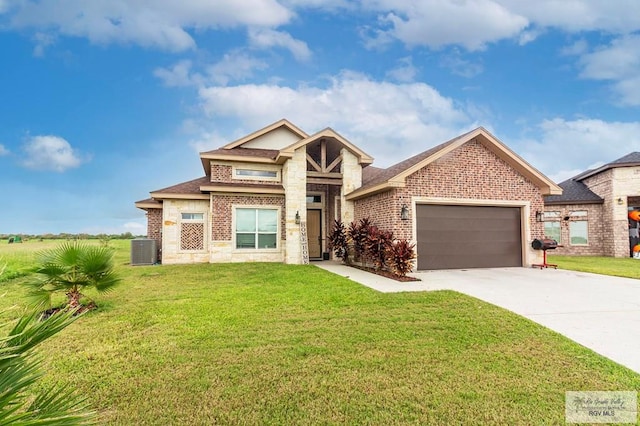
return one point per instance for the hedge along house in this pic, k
(591, 215)
(469, 202)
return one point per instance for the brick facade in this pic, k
(595, 230)
(154, 226)
(470, 172)
(222, 213)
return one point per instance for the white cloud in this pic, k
(563, 148)
(178, 75)
(154, 23)
(475, 23)
(618, 62)
(267, 38)
(50, 153)
(405, 72)
(389, 121)
(437, 23)
(619, 16)
(136, 228)
(206, 141)
(3, 150)
(234, 66)
(42, 40)
(577, 48)
(460, 66)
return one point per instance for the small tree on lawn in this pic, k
(338, 241)
(71, 268)
(401, 255)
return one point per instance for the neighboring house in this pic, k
(591, 215)
(469, 202)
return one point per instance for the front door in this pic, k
(314, 233)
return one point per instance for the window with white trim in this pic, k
(579, 228)
(256, 228)
(256, 173)
(552, 226)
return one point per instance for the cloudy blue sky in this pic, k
(102, 101)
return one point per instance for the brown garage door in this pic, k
(457, 237)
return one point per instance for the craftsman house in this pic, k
(274, 194)
(591, 215)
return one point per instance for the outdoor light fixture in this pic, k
(539, 216)
(404, 212)
(298, 218)
(620, 201)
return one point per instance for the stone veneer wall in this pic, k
(595, 247)
(171, 217)
(626, 183)
(470, 172)
(602, 185)
(351, 180)
(294, 180)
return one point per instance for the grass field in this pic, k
(620, 267)
(277, 344)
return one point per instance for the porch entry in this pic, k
(314, 233)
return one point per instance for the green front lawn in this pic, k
(276, 344)
(620, 267)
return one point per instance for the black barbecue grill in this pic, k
(544, 244)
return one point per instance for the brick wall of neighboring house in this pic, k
(595, 230)
(222, 214)
(468, 172)
(602, 185)
(224, 173)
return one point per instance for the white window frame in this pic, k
(579, 216)
(278, 210)
(553, 217)
(256, 168)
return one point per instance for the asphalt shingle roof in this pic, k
(188, 187)
(245, 152)
(573, 192)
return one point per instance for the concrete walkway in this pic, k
(597, 311)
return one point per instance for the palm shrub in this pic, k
(401, 255)
(20, 371)
(70, 268)
(338, 241)
(377, 246)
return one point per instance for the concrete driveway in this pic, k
(597, 311)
